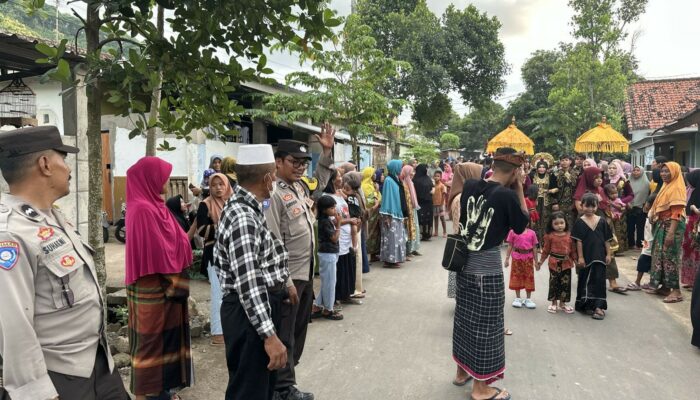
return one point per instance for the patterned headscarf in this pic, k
(619, 175)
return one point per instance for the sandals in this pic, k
(464, 382)
(598, 316)
(633, 287)
(552, 309)
(672, 299)
(618, 290)
(333, 316)
(357, 296)
(508, 332)
(352, 301)
(567, 309)
(392, 265)
(495, 396)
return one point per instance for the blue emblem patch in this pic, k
(266, 204)
(9, 254)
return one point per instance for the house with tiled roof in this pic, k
(653, 110)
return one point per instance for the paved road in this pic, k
(398, 346)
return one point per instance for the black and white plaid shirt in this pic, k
(248, 259)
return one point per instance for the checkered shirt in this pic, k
(248, 258)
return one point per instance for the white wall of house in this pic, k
(188, 159)
(49, 103)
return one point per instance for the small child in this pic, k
(617, 207)
(328, 249)
(593, 236)
(523, 248)
(644, 261)
(531, 202)
(439, 194)
(562, 256)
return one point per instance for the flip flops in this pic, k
(633, 287)
(458, 383)
(618, 290)
(495, 396)
(673, 299)
(552, 309)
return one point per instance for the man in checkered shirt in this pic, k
(252, 268)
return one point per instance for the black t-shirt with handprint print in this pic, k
(487, 212)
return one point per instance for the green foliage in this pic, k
(569, 90)
(342, 88)
(196, 81)
(449, 141)
(460, 51)
(423, 150)
(40, 22)
(479, 125)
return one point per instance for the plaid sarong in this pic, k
(478, 344)
(159, 334)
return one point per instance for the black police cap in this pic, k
(294, 148)
(31, 140)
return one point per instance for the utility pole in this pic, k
(56, 20)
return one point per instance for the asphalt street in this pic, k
(397, 345)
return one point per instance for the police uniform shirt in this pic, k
(51, 314)
(290, 216)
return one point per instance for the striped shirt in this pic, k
(248, 258)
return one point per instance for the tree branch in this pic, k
(116, 39)
(76, 38)
(125, 20)
(79, 17)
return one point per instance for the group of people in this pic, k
(266, 228)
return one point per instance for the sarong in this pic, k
(345, 276)
(590, 292)
(478, 344)
(393, 249)
(159, 333)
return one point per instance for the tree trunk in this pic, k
(155, 96)
(94, 119)
(355, 150)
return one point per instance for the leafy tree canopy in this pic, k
(477, 127)
(449, 141)
(458, 52)
(342, 88)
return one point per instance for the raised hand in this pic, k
(327, 136)
(475, 224)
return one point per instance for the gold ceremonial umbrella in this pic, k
(602, 139)
(511, 137)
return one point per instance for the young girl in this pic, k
(592, 235)
(531, 201)
(644, 261)
(328, 236)
(523, 248)
(439, 195)
(562, 256)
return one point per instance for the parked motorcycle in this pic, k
(120, 226)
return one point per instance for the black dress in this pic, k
(695, 312)
(207, 230)
(590, 292)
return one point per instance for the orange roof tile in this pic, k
(654, 103)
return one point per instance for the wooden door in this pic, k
(107, 200)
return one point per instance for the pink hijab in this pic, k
(405, 176)
(157, 244)
(214, 204)
(447, 175)
(619, 175)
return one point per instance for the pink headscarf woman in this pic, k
(447, 175)
(619, 173)
(407, 179)
(157, 244)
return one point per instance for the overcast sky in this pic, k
(666, 48)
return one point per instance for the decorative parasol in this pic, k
(602, 139)
(511, 137)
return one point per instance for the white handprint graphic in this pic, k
(477, 223)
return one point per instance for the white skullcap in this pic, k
(255, 154)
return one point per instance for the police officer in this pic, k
(51, 331)
(291, 217)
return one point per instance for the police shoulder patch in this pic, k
(29, 211)
(9, 254)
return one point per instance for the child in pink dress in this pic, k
(523, 249)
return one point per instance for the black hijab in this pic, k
(423, 185)
(175, 206)
(693, 179)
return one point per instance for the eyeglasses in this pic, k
(296, 163)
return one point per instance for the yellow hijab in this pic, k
(368, 186)
(672, 193)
